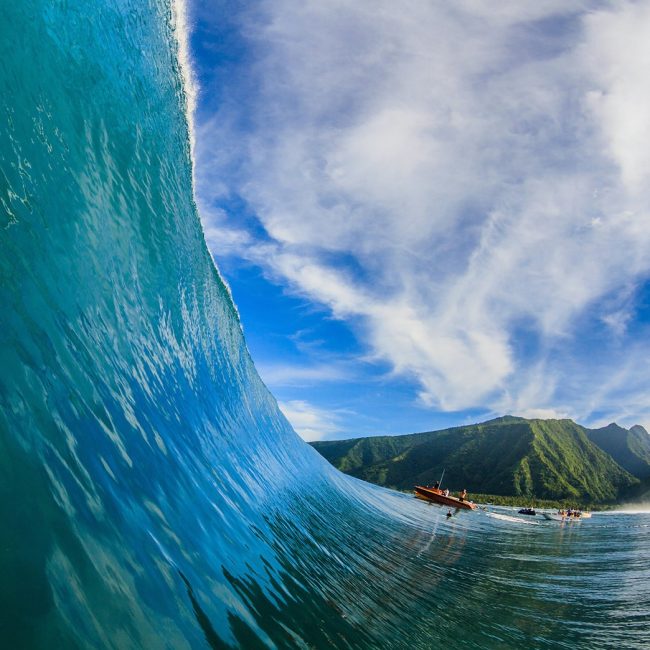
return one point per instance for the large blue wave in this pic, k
(151, 493)
(142, 457)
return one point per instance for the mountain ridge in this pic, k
(508, 455)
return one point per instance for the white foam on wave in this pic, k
(516, 520)
(181, 33)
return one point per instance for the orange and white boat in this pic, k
(438, 496)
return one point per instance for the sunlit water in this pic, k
(151, 493)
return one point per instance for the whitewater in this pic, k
(152, 495)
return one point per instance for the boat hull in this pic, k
(437, 496)
(553, 516)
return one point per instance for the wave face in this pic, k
(151, 493)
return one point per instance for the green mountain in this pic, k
(629, 448)
(510, 456)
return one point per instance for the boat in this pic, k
(527, 511)
(437, 495)
(566, 515)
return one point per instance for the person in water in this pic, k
(449, 514)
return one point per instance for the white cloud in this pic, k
(276, 375)
(309, 421)
(618, 321)
(485, 168)
(617, 53)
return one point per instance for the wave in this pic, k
(151, 492)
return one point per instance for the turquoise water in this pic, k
(151, 493)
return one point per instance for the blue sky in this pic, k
(431, 213)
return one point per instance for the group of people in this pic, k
(570, 513)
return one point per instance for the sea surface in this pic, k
(152, 495)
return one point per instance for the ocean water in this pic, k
(151, 493)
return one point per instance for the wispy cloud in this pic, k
(281, 375)
(467, 186)
(310, 422)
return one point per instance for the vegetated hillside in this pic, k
(629, 448)
(550, 459)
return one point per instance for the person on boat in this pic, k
(436, 485)
(446, 492)
(463, 495)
